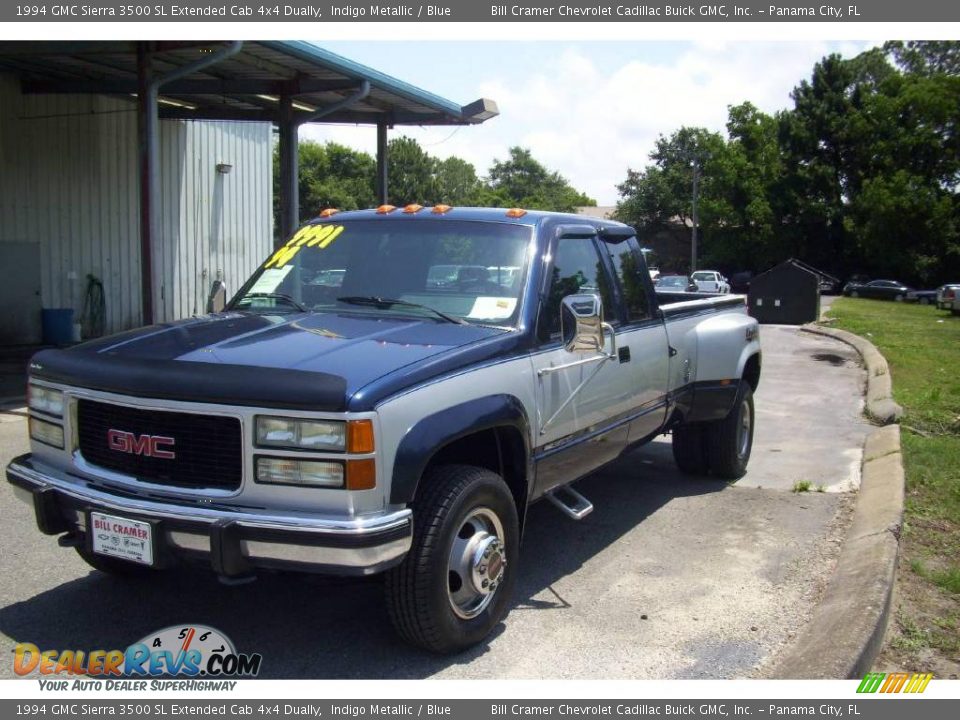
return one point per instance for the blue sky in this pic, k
(587, 109)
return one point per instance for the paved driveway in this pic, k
(670, 577)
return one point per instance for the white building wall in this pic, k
(69, 183)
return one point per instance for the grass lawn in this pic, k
(922, 346)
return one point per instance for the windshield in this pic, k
(472, 271)
(673, 281)
(703, 276)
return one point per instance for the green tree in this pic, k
(524, 182)
(412, 173)
(330, 175)
(871, 157)
(861, 174)
(926, 57)
(457, 182)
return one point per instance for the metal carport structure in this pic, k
(286, 83)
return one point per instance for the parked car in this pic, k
(877, 289)
(922, 297)
(676, 283)
(946, 294)
(740, 282)
(400, 423)
(710, 281)
(829, 285)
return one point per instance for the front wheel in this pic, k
(899, 298)
(730, 441)
(854, 293)
(455, 584)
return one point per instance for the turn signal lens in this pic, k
(412, 208)
(516, 212)
(384, 209)
(440, 209)
(361, 474)
(360, 436)
(328, 212)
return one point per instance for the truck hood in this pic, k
(316, 361)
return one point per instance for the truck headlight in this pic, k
(301, 434)
(46, 432)
(46, 400)
(288, 471)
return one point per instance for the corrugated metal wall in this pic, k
(216, 225)
(69, 182)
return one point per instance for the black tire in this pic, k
(900, 298)
(113, 566)
(427, 597)
(924, 301)
(730, 441)
(854, 293)
(688, 449)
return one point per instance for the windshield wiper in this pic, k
(386, 303)
(276, 296)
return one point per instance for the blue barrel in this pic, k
(57, 326)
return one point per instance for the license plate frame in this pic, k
(122, 538)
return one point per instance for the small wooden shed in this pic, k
(788, 294)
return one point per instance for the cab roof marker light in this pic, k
(327, 212)
(516, 213)
(441, 209)
(412, 208)
(384, 209)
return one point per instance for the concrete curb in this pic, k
(880, 406)
(848, 625)
(846, 631)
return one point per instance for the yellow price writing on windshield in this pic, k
(318, 236)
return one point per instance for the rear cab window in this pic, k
(632, 279)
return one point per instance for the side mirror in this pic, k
(581, 323)
(217, 300)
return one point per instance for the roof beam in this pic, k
(46, 48)
(219, 113)
(207, 86)
(354, 117)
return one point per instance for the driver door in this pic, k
(578, 394)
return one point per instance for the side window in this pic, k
(629, 269)
(577, 268)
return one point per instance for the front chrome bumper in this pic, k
(234, 541)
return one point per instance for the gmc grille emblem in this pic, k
(157, 446)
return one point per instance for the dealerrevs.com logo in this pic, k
(181, 651)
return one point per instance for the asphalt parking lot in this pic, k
(670, 577)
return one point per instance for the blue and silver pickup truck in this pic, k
(388, 392)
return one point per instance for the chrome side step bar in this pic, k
(571, 503)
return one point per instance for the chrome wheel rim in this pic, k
(477, 563)
(743, 429)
